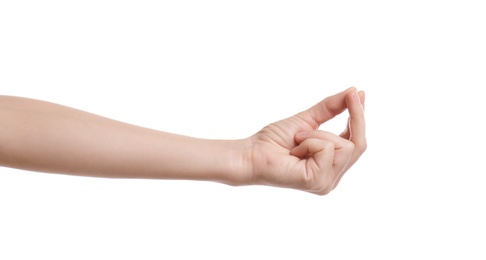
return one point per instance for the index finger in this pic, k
(327, 108)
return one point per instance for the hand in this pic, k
(293, 153)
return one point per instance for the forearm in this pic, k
(41, 136)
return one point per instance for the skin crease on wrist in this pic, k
(291, 153)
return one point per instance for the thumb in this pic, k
(327, 109)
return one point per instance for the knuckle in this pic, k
(326, 145)
(349, 146)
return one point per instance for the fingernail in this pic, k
(356, 97)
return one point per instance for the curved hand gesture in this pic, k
(293, 153)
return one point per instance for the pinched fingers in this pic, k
(348, 146)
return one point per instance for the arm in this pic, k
(41, 136)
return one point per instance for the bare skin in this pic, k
(292, 153)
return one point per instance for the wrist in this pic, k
(238, 163)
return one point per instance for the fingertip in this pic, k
(354, 98)
(361, 93)
(351, 91)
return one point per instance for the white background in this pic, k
(225, 69)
